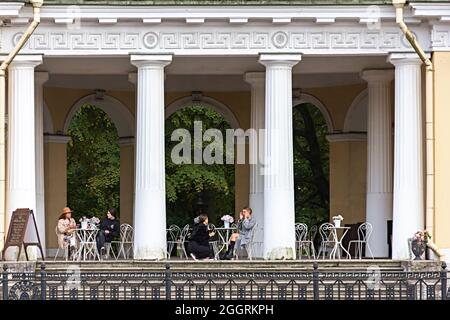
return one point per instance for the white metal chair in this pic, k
(328, 240)
(302, 241)
(248, 247)
(182, 240)
(364, 233)
(125, 243)
(173, 236)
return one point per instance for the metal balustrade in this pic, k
(75, 284)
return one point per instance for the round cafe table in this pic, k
(87, 241)
(224, 235)
(338, 235)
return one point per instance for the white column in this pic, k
(256, 148)
(408, 215)
(21, 185)
(150, 190)
(379, 158)
(40, 79)
(279, 210)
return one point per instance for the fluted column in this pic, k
(379, 158)
(279, 209)
(150, 190)
(40, 79)
(21, 185)
(408, 214)
(256, 148)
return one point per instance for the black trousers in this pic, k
(102, 238)
(200, 251)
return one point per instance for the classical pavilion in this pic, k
(378, 71)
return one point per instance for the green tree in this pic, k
(311, 165)
(93, 169)
(185, 181)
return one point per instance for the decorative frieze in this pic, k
(251, 39)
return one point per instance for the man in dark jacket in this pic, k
(109, 229)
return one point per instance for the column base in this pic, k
(280, 254)
(146, 253)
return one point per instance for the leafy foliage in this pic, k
(311, 165)
(93, 171)
(185, 181)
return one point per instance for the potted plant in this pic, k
(337, 220)
(227, 220)
(419, 243)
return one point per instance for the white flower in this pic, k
(339, 217)
(227, 218)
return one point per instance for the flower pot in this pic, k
(337, 223)
(226, 224)
(418, 248)
(84, 224)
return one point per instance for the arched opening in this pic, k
(311, 164)
(93, 162)
(194, 184)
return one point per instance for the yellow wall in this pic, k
(337, 100)
(348, 180)
(442, 150)
(55, 156)
(126, 184)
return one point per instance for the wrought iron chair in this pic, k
(173, 236)
(215, 244)
(328, 240)
(302, 241)
(183, 239)
(364, 233)
(125, 243)
(248, 247)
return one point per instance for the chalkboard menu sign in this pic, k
(17, 231)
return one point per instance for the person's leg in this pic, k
(229, 254)
(100, 241)
(203, 252)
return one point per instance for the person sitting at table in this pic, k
(66, 230)
(198, 245)
(240, 239)
(109, 229)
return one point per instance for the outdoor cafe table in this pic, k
(224, 234)
(338, 235)
(87, 241)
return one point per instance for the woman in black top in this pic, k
(109, 229)
(198, 246)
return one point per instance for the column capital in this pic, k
(255, 78)
(151, 61)
(23, 60)
(400, 58)
(132, 77)
(378, 75)
(56, 138)
(40, 78)
(282, 59)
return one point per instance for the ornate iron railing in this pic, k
(75, 284)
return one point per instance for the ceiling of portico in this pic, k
(204, 73)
